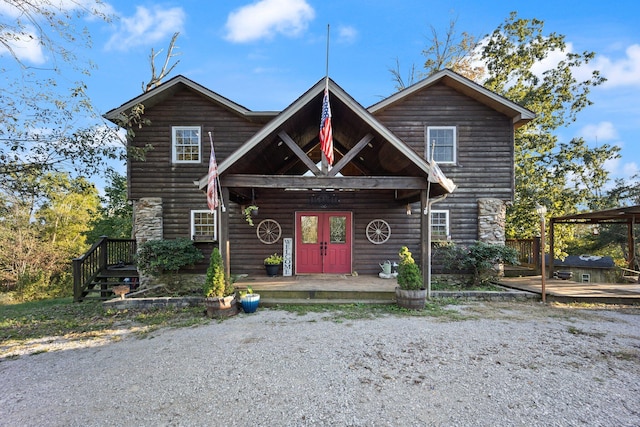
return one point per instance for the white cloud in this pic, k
(621, 72)
(266, 18)
(603, 131)
(146, 27)
(347, 34)
(26, 47)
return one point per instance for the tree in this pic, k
(114, 218)
(40, 105)
(43, 221)
(453, 51)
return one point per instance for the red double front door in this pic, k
(323, 242)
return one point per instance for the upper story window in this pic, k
(203, 226)
(440, 225)
(442, 139)
(186, 144)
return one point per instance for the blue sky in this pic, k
(263, 54)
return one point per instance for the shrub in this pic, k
(157, 256)
(409, 276)
(479, 258)
(216, 284)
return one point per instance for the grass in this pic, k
(43, 320)
(343, 312)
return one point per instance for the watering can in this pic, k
(386, 267)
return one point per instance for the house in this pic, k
(586, 269)
(337, 220)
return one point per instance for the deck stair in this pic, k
(109, 263)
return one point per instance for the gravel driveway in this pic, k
(502, 364)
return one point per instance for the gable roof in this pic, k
(303, 116)
(168, 88)
(518, 114)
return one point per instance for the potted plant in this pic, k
(249, 300)
(219, 293)
(410, 292)
(272, 264)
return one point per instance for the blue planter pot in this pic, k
(250, 302)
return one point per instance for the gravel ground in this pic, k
(504, 364)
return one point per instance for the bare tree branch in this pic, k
(157, 79)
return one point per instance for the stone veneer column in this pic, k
(147, 225)
(491, 221)
(491, 224)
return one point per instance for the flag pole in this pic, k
(325, 160)
(327, 60)
(222, 206)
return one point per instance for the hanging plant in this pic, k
(249, 212)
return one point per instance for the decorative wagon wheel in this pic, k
(378, 231)
(269, 231)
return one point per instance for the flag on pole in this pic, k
(326, 133)
(212, 183)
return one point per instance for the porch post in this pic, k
(551, 248)
(425, 241)
(223, 240)
(631, 242)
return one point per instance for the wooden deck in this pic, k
(372, 289)
(571, 291)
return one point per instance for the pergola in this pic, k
(629, 215)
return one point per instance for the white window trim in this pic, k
(174, 154)
(455, 143)
(215, 225)
(448, 222)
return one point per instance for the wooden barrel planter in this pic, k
(221, 307)
(411, 299)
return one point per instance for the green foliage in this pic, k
(157, 256)
(216, 284)
(409, 276)
(44, 218)
(274, 259)
(479, 258)
(115, 214)
(248, 213)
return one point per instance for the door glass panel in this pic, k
(309, 228)
(338, 229)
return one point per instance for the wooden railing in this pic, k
(528, 251)
(104, 253)
(629, 275)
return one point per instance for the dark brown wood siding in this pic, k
(174, 183)
(248, 253)
(485, 163)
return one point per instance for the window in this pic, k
(186, 144)
(203, 226)
(586, 278)
(440, 225)
(442, 139)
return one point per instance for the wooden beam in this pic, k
(223, 235)
(324, 182)
(299, 153)
(351, 154)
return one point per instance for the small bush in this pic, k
(479, 258)
(409, 276)
(216, 284)
(157, 256)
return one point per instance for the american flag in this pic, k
(212, 183)
(326, 133)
